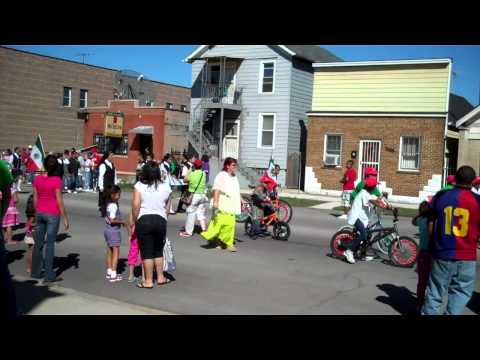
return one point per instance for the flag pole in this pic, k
(43, 150)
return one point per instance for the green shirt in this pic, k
(196, 179)
(360, 186)
(5, 180)
(447, 187)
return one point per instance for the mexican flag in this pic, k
(271, 165)
(38, 154)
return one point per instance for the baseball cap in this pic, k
(198, 164)
(371, 182)
(370, 171)
(451, 179)
(476, 181)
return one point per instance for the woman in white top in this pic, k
(150, 206)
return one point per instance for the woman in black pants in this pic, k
(150, 206)
(107, 177)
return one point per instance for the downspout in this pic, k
(444, 170)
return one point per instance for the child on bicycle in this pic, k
(358, 217)
(262, 207)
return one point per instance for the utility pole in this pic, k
(84, 55)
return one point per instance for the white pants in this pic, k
(196, 211)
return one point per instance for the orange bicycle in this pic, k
(280, 229)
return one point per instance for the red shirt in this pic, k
(270, 183)
(350, 177)
(30, 165)
(47, 200)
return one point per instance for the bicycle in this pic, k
(281, 230)
(282, 208)
(402, 250)
(382, 244)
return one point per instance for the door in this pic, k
(231, 139)
(369, 156)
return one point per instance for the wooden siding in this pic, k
(399, 88)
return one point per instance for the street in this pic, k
(265, 276)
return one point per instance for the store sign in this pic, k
(114, 124)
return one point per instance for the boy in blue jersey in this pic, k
(456, 230)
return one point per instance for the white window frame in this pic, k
(260, 130)
(400, 151)
(325, 149)
(86, 99)
(260, 75)
(69, 97)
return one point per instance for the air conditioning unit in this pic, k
(332, 160)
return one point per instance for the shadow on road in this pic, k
(474, 303)
(18, 237)
(19, 226)
(15, 255)
(62, 264)
(62, 236)
(29, 296)
(121, 266)
(399, 298)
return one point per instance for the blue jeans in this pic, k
(362, 235)
(455, 278)
(46, 225)
(87, 180)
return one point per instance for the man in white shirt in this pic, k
(358, 217)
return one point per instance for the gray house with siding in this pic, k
(257, 97)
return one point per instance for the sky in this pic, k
(164, 62)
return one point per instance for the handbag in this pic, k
(169, 264)
(187, 196)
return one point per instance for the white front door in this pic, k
(231, 139)
(369, 156)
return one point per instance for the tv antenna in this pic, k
(84, 55)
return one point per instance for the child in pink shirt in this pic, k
(134, 255)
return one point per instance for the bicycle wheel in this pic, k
(340, 240)
(248, 227)
(281, 231)
(403, 252)
(284, 211)
(246, 208)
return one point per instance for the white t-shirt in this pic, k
(153, 201)
(112, 211)
(360, 208)
(229, 201)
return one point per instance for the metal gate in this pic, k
(293, 170)
(369, 156)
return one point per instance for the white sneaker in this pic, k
(343, 217)
(368, 258)
(75, 192)
(349, 256)
(69, 191)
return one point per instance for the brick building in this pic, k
(390, 115)
(46, 95)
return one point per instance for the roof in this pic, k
(312, 53)
(89, 65)
(383, 62)
(458, 108)
(469, 118)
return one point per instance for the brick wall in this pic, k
(31, 95)
(388, 130)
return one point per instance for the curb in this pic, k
(96, 298)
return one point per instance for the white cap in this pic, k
(30, 146)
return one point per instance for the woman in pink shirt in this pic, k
(48, 203)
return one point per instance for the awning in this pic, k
(144, 130)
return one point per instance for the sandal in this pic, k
(164, 283)
(141, 286)
(185, 234)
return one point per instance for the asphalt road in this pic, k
(264, 277)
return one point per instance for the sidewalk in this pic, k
(34, 299)
(329, 201)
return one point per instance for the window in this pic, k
(266, 132)
(267, 77)
(149, 103)
(184, 108)
(67, 96)
(119, 146)
(409, 153)
(332, 150)
(83, 98)
(169, 106)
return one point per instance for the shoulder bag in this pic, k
(187, 196)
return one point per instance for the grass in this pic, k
(294, 202)
(401, 211)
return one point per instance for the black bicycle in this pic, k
(402, 251)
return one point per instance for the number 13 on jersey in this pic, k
(461, 228)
